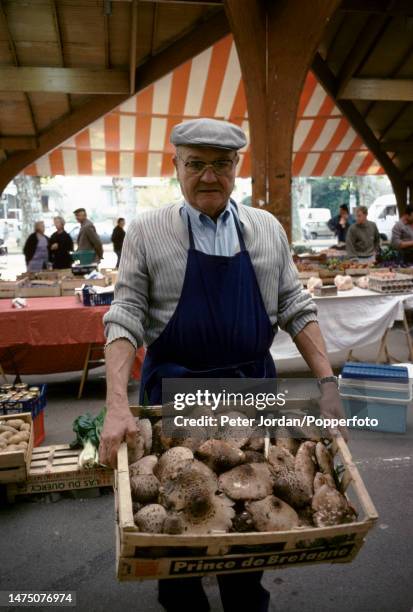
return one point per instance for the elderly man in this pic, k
(88, 239)
(363, 238)
(402, 235)
(204, 284)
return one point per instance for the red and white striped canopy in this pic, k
(133, 140)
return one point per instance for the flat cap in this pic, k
(209, 133)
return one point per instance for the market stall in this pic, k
(353, 318)
(50, 335)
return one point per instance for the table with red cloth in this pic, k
(51, 335)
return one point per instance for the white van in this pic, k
(314, 223)
(384, 213)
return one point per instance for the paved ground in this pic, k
(69, 544)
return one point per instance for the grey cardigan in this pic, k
(153, 264)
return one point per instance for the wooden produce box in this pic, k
(38, 288)
(45, 274)
(147, 556)
(325, 291)
(68, 285)
(54, 469)
(8, 289)
(15, 465)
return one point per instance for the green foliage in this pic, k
(330, 192)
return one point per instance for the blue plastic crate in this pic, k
(375, 371)
(391, 418)
(96, 299)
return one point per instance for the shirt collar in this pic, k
(201, 218)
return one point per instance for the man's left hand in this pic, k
(331, 407)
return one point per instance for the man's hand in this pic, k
(331, 407)
(119, 426)
(54, 246)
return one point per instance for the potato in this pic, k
(24, 436)
(3, 443)
(25, 427)
(16, 423)
(12, 447)
(19, 437)
(22, 445)
(5, 435)
(4, 428)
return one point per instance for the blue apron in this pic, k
(220, 328)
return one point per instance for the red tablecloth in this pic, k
(50, 335)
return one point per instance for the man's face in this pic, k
(122, 224)
(58, 224)
(343, 213)
(409, 218)
(206, 189)
(80, 216)
(360, 217)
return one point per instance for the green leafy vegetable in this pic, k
(88, 429)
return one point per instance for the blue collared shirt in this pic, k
(212, 238)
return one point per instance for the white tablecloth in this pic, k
(358, 317)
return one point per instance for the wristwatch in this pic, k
(327, 379)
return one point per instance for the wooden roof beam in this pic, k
(397, 90)
(18, 143)
(64, 80)
(329, 82)
(193, 42)
(397, 146)
(378, 7)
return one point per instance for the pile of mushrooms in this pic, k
(233, 483)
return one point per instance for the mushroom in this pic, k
(171, 461)
(256, 441)
(192, 480)
(324, 459)
(272, 514)
(331, 507)
(146, 465)
(247, 481)
(173, 524)
(242, 522)
(188, 437)
(220, 455)
(145, 428)
(284, 439)
(150, 519)
(323, 479)
(305, 466)
(237, 435)
(137, 450)
(252, 456)
(207, 514)
(287, 484)
(144, 488)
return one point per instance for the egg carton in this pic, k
(401, 283)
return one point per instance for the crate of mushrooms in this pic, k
(16, 445)
(225, 503)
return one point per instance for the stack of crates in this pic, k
(36, 406)
(376, 391)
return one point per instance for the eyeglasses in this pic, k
(218, 166)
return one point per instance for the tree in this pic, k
(124, 197)
(29, 199)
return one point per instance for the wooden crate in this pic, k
(15, 465)
(68, 285)
(143, 556)
(40, 288)
(55, 468)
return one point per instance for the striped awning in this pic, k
(133, 140)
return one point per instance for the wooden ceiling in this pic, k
(64, 63)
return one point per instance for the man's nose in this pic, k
(208, 175)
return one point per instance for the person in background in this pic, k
(402, 235)
(363, 238)
(36, 249)
(118, 236)
(340, 224)
(60, 245)
(88, 239)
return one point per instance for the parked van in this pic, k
(314, 223)
(384, 213)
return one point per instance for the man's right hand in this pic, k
(119, 426)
